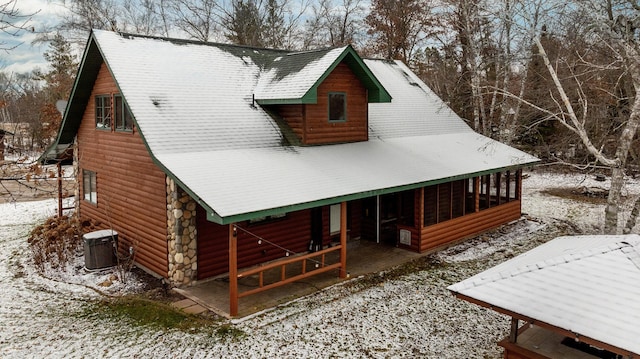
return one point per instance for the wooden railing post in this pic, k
(343, 240)
(233, 270)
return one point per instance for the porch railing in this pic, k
(318, 258)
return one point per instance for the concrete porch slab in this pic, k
(363, 257)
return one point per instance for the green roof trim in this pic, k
(216, 218)
(376, 92)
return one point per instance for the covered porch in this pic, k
(363, 257)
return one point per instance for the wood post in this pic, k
(419, 220)
(233, 270)
(513, 335)
(519, 184)
(476, 190)
(59, 189)
(343, 240)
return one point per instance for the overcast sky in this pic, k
(26, 56)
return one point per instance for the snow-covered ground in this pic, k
(405, 316)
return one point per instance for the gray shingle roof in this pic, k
(193, 104)
(588, 285)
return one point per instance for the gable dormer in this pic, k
(321, 96)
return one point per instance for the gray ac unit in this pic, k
(99, 249)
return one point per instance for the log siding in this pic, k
(130, 187)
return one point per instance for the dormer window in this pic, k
(337, 107)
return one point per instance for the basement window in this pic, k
(337, 107)
(103, 112)
(89, 186)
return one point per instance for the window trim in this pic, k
(125, 113)
(90, 186)
(107, 112)
(344, 107)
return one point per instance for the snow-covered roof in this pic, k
(195, 106)
(587, 285)
(290, 76)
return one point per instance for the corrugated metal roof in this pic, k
(193, 105)
(588, 285)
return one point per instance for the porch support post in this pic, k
(513, 335)
(476, 189)
(233, 270)
(343, 240)
(59, 189)
(519, 184)
(378, 219)
(419, 220)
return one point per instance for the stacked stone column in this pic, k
(181, 235)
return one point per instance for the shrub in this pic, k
(57, 241)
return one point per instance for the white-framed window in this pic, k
(89, 186)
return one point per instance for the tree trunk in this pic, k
(631, 221)
(624, 144)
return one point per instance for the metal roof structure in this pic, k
(198, 109)
(585, 285)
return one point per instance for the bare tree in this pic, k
(399, 28)
(334, 24)
(145, 17)
(13, 21)
(85, 15)
(612, 26)
(200, 19)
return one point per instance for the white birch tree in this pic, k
(613, 26)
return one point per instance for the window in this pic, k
(334, 219)
(267, 218)
(89, 186)
(103, 112)
(337, 107)
(122, 116)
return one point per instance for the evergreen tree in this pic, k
(58, 82)
(274, 31)
(244, 24)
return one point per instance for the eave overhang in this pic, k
(212, 216)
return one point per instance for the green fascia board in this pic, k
(377, 93)
(212, 216)
(79, 96)
(287, 101)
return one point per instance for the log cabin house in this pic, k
(572, 297)
(210, 158)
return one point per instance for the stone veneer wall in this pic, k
(181, 235)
